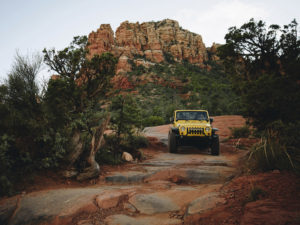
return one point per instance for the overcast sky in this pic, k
(31, 25)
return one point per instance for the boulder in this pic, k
(109, 199)
(153, 203)
(127, 157)
(204, 203)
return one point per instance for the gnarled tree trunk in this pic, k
(77, 149)
(97, 141)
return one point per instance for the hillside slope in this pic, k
(165, 67)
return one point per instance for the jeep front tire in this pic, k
(215, 145)
(172, 143)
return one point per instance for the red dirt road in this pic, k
(191, 187)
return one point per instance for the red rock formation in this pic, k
(123, 65)
(101, 41)
(149, 40)
(121, 82)
(212, 51)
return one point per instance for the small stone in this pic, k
(127, 157)
(109, 199)
(70, 173)
(276, 171)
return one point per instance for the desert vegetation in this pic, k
(61, 126)
(263, 63)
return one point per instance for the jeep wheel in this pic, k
(215, 145)
(172, 143)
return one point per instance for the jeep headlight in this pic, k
(182, 128)
(207, 129)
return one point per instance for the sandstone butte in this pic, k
(148, 43)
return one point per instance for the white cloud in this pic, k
(213, 22)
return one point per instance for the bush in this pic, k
(132, 143)
(266, 83)
(111, 152)
(107, 157)
(138, 141)
(153, 121)
(240, 132)
(6, 165)
(278, 148)
(6, 187)
(168, 57)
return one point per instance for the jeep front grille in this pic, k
(195, 130)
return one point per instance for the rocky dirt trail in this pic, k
(164, 189)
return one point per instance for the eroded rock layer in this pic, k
(153, 41)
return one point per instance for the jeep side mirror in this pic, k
(211, 120)
(171, 119)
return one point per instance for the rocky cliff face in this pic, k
(153, 41)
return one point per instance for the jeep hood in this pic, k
(188, 123)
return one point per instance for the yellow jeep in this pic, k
(193, 127)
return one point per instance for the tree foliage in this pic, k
(78, 94)
(264, 64)
(69, 61)
(126, 114)
(27, 143)
(89, 77)
(36, 130)
(182, 85)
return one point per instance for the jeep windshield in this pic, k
(191, 115)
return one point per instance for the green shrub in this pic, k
(267, 88)
(278, 148)
(140, 69)
(153, 121)
(138, 141)
(240, 132)
(6, 187)
(106, 157)
(7, 162)
(53, 149)
(111, 152)
(168, 57)
(132, 144)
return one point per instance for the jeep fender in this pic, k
(214, 130)
(174, 130)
